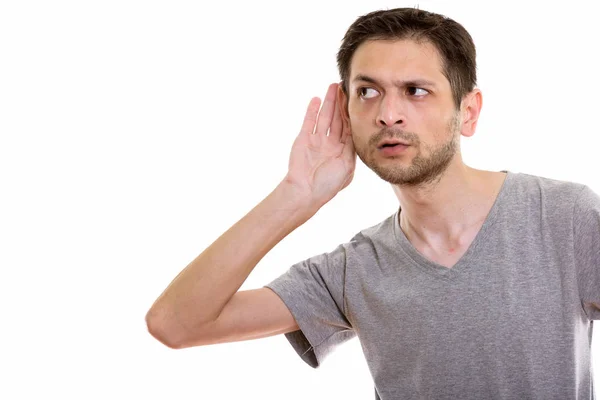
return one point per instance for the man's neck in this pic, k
(442, 214)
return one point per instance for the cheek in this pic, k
(359, 113)
(435, 123)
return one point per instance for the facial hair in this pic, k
(423, 169)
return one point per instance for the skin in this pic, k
(444, 202)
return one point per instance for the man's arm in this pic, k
(200, 292)
(191, 309)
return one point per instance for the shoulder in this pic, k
(374, 239)
(544, 190)
(587, 202)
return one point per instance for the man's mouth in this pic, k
(391, 143)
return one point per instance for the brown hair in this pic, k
(451, 39)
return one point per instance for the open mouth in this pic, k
(393, 145)
(393, 149)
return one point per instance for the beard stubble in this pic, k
(423, 169)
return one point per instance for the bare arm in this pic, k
(201, 291)
(189, 309)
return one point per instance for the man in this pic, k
(482, 285)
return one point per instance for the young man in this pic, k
(481, 285)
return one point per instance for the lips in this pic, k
(390, 143)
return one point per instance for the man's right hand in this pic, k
(321, 165)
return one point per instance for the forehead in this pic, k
(388, 60)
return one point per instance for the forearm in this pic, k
(200, 292)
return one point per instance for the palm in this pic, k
(321, 164)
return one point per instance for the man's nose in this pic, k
(391, 112)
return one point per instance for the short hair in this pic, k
(451, 39)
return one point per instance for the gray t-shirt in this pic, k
(512, 319)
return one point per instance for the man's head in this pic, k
(408, 74)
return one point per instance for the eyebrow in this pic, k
(401, 83)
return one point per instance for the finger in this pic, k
(326, 113)
(310, 118)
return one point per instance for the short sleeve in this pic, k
(313, 291)
(586, 236)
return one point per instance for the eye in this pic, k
(362, 92)
(413, 89)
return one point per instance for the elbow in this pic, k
(158, 328)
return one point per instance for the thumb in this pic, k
(348, 180)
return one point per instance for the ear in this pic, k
(342, 100)
(470, 109)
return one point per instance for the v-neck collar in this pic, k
(438, 269)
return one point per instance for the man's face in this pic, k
(389, 98)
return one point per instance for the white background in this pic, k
(134, 133)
